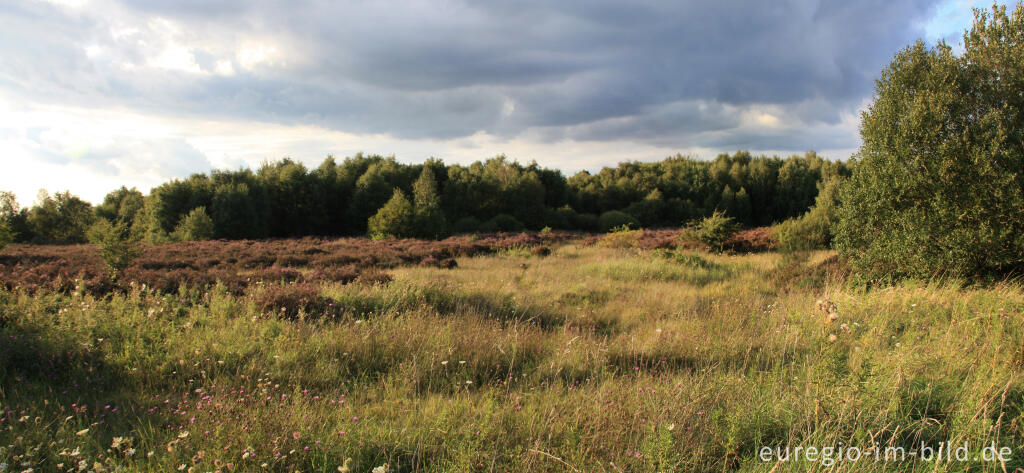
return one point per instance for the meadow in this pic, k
(605, 354)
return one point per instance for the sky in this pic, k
(95, 94)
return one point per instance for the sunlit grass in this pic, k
(591, 359)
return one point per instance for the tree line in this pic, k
(379, 196)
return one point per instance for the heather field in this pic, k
(514, 353)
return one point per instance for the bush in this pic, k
(344, 275)
(373, 277)
(540, 251)
(502, 223)
(118, 248)
(621, 237)
(812, 230)
(614, 219)
(396, 219)
(712, 231)
(289, 300)
(938, 186)
(466, 225)
(587, 222)
(196, 226)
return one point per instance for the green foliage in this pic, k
(121, 205)
(61, 218)
(938, 187)
(466, 225)
(499, 186)
(621, 236)
(196, 226)
(613, 219)
(118, 248)
(688, 362)
(588, 222)
(373, 189)
(147, 225)
(285, 199)
(812, 230)
(396, 219)
(6, 235)
(430, 220)
(234, 212)
(13, 219)
(713, 230)
(754, 190)
(502, 223)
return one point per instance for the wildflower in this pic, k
(832, 337)
(385, 468)
(183, 434)
(296, 435)
(82, 432)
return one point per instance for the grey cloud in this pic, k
(594, 70)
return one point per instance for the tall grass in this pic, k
(590, 359)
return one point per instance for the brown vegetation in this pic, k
(237, 264)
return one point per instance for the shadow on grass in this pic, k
(57, 390)
(445, 301)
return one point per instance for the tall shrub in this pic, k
(118, 248)
(195, 226)
(939, 187)
(396, 219)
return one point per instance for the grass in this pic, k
(591, 359)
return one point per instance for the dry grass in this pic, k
(589, 359)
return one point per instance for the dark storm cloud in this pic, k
(678, 73)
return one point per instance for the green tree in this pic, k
(742, 207)
(371, 192)
(62, 218)
(14, 217)
(234, 213)
(147, 225)
(502, 223)
(195, 226)
(814, 229)
(118, 248)
(713, 230)
(938, 187)
(396, 219)
(613, 219)
(121, 205)
(430, 220)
